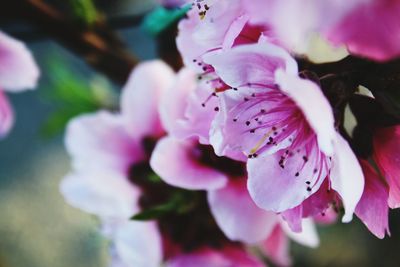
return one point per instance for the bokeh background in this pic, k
(37, 229)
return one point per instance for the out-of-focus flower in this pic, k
(295, 22)
(266, 115)
(369, 28)
(18, 72)
(104, 147)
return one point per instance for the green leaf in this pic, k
(160, 210)
(182, 201)
(85, 11)
(154, 178)
(161, 18)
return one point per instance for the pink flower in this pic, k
(180, 160)
(368, 28)
(18, 72)
(267, 115)
(104, 147)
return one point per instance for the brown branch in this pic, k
(99, 46)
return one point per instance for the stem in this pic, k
(99, 46)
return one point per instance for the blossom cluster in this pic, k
(247, 139)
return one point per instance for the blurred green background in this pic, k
(37, 229)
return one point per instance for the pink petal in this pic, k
(346, 177)
(372, 30)
(141, 95)
(293, 218)
(237, 215)
(319, 115)
(198, 36)
(6, 115)
(234, 31)
(329, 216)
(174, 100)
(188, 107)
(103, 193)
(278, 189)
(318, 203)
(135, 244)
(228, 256)
(254, 63)
(18, 69)
(373, 209)
(101, 140)
(317, 206)
(387, 156)
(307, 237)
(231, 123)
(178, 164)
(257, 10)
(296, 21)
(276, 247)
